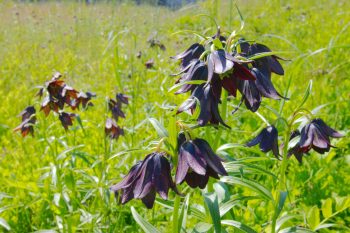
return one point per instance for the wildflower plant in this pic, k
(214, 70)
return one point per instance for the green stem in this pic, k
(282, 184)
(176, 214)
(223, 115)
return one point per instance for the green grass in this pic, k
(60, 180)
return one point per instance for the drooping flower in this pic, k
(209, 99)
(66, 119)
(145, 179)
(315, 135)
(193, 52)
(149, 64)
(28, 121)
(84, 99)
(197, 162)
(253, 91)
(295, 149)
(112, 129)
(122, 98)
(116, 108)
(267, 140)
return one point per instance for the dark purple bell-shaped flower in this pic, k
(253, 91)
(197, 162)
(209, 98)
(267, 139)
(193, 52)
(28, 120)
(316, 135)
(295, 150)
(197, 70)
(145, 179)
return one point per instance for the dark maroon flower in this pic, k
(268, 140)
(28, 121)
(295, 149)
(84, 99)
(209, 98)
(112, 129)
(316, 135)
(49, 104)
(197, 70)
(66, 119)
(193, 52)
(253, 91)
(156, 43)
(116, 108)
(145, 179)
(149, 64)
(122, 98)
(196, 162)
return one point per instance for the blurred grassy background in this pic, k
(65, 186)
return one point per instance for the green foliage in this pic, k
(59, 181)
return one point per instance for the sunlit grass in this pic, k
(60, 180)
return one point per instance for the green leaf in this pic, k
(281, 201)
(325, 226)
(225, 207)
(202, 227)
(313, 217)
(4, 224)
(238, 225)
(211, 200)
(162, 132)
(183, 214)
(217, 43)
(254, 186)
(306, 94)
(284, 219)
(80, 123)
(144, 224)
(222, 191)
(296, 230)
(327, 208)
(240, 17)
(195, 82)
(265, 54)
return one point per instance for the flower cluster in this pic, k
(208, 68)
(115, 106)
(314, 135)
(196, 163)
(28, 120)
(145, 179)
(57, 94)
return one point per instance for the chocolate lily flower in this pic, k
(295, 150)
(196, 162)
(149, 64)
(197, 70)
(28, 120)
(112, 129)
(193, 52)
(83, 99)
(253, 91)
(209, 98)
(268, 140)
(116, 108)
(66, 119)
(266, 64)
(49, 104)
(145, 179)
(122, 98)
(316, 135)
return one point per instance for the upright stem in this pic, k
(176, 214)
(282, 184)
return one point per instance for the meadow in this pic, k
(59, 180)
